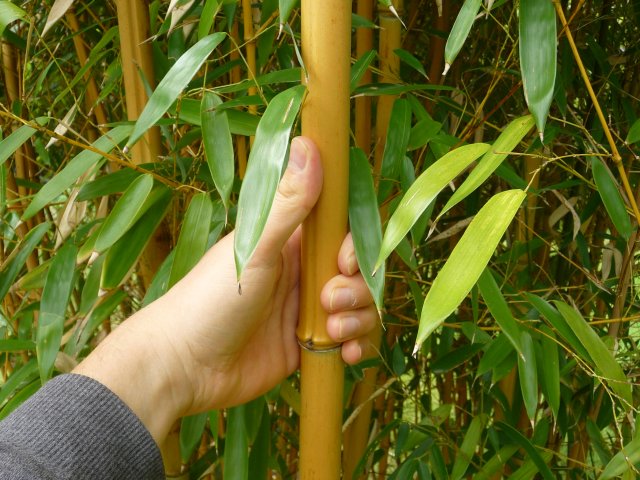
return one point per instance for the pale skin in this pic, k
(203, 346)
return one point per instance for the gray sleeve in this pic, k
(76, 428)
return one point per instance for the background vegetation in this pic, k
(532, 375)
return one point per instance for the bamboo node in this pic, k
(310, 346)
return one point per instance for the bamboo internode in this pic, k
(326, 45)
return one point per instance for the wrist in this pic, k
(137, 364)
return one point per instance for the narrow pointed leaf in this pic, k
(13, 142)
(467, 261)
(611, 197)
(75, 168)
(265, 166)
(236, 445)
(123, 254)
(496, 463)
(604, 362)
(364, 219)
(395, 147)
(9, 13)
(516, 437)
(460, 30)
(360, 67)
(498, 350)
(218, 145)
(500, 309)
(528, 374)
(538, 57)
(192, 242)
(125, 213)
(510, 137)
(410, 60)
(549, 366)
(55, 296)
(423, 191)
(467, 449)
(173, 83)
(623, 461)
(634, 133)
(11, 267)
(191, 429)
(58, 9)
(559, 323)
(285, 7)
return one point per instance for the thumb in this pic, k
(297, 193)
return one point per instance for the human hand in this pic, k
(205, 346)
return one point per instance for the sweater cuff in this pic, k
(75, 427)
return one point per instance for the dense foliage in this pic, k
(524, 369)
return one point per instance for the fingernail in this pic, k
(349, 327)
(299, 155)
(341, 298)
(352, 264)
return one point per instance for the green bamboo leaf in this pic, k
(236, 445)
(528, 374)
(455, 358)
(285, 7)
(623, 461)
(261, 446)
(75, 168)
(467, 260)
(460, 31)
(364, 219)
(558, 322)
(529, 469)
(603, 360)
(124, 253)
(218, 145)
(467, 449)
(16, 345)
(516, 437)
(192, 242)
(500, 309)
(109, 184)
(510, 137)
(9, 12)
(191, 429)
(496, 353)
(265, 166)
(19, 398)
(410, 60)
(549, 365)
(496, 463)
(209, 12)
(173, 83)
(395, 147)
(634, 133)
(55, 297)
(13, 264)
(538, 52)
(13, 142)
(611, 197)
(24, 374)
(598, 442)
(423, 191)
(360, 67)
(379, 89)
(125, 213)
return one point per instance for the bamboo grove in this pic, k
(493, 185)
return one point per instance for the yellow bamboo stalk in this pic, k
(236, 77)
(326, 44)
(91, 96)
(390, 40)
(250, 54)
(133, 22)
(364, 43)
